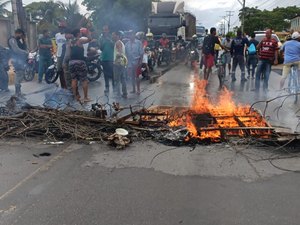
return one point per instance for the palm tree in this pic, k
(3, 11)
(48, 10)
(72, 15)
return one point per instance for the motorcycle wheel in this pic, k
(173, 57)
(94, 72)
(168, 61)
(221, 75)
(51, 76)
(29, 73)
(158, 62)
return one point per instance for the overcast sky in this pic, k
(210, 12)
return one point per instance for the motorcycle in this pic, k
(31, 66)
(193, 57)
(151, 60)
(144, 71)
(94, 67)
(181, 51)
(174, 53)
(163, 55)
(52, 74)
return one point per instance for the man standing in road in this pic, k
(227, 55)
(44, 46)
(60, 39)
(208, 51)
(134, 52)
(291, 56)
(19, 56)
(237, 51)
(107, 48)
(252, 55)
(120, 61)
(268, 53)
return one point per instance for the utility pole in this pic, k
(243, 3)
(225, 20)
(229, 14)
(15, 14)
(19, 16)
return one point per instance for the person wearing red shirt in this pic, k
(268, 54)
(164, 41)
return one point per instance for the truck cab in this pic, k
(166, 17)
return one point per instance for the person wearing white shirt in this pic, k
(60, 39)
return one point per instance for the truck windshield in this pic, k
(200, 30)
(164, 21)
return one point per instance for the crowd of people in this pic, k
(248, 53)
(121, 62)
(122, 59)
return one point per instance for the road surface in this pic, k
(149, 183)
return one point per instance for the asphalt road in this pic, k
(149, 183)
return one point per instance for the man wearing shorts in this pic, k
(291, 56)
(209, 51)
(227, 55)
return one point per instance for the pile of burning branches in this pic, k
(204, 121)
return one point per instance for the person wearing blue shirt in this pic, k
(237, 52)
(291, 56)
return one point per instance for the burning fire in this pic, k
(206, 120)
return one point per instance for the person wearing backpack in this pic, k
(252, 56)
(237, 51)
(19, 56)
(208, 51)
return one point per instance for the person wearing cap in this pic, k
(19, 54)
(150, 41)
(291, 56)
(60, 39)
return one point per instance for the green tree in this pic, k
(49, 13)
(278, 19)
(120, 14)
(48, 10)
(3, 11)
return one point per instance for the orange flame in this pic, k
(226, 113)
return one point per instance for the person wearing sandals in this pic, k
(77, 64)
